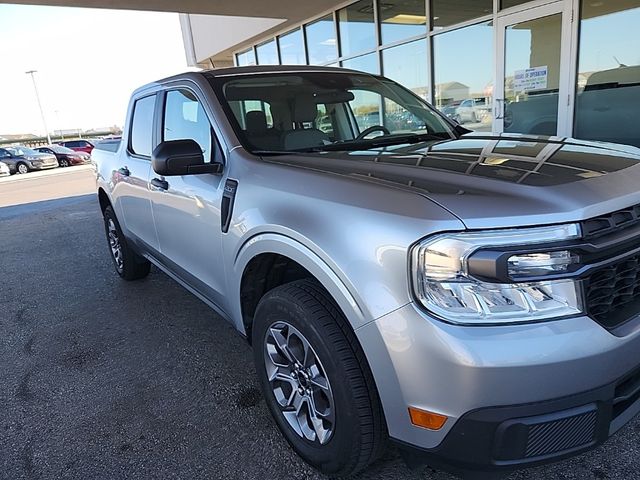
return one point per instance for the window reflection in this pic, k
(512, 3)
(402, 19)
(365, 63)
(357, 30)
(321, 41)
(291, 48)
(464, 87)
(267, 53)
(246, 58)
(608, 87)
(407, 65)
(450, 12)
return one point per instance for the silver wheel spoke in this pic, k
(299, 383)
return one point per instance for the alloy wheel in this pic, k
(299, 383)
(22, 169)
(114, 244)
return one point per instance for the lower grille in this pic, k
(613, 292)
(560, 435)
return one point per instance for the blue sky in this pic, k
(88, 61)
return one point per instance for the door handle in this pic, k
(124, 171)
(160, 184)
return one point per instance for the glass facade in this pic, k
(446, 52)
(292, 48)
(366, 63)
(445, 13)
(464, 86)
(246, 58)
(608, 85)
(402, 19)
(357, 28)
(267, 53)
(322, 45)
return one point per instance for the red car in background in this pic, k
(78, 145)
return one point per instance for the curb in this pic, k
(50, 173)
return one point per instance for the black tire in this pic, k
(25, 168)
(63, 162)
(132, 265)
(359, 434)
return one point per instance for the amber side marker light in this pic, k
(424, 419)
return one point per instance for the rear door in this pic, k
(131, 190)
(187, 212)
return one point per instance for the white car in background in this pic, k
(4, 170)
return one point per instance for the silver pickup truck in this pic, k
(474, 299)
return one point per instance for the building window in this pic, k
(407, 65)
(401, 19)
(365, 63)
(321, 41)
(357, 28)
(608, 87)
(291, 48)
(464, 87)
(245, 58)
(267, 53)
(512, 3)
(446, 13)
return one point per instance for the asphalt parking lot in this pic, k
(103, 379)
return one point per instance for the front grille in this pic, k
(611, 222)
(561, 435)
(613, 292)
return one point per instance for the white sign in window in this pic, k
(534, 78)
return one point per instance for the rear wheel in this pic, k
(63, 162)
(128, 263)
(315, 379)
(22, 168)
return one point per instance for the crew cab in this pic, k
(473, 298)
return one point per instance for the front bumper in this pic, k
(514, 395)
(42, 166)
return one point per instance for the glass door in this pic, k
(531, 77)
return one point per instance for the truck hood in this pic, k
(493, 181)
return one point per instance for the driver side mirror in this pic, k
(181, 157)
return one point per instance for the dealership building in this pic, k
(566, 68)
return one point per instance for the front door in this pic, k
(532, 85)
(187, 212)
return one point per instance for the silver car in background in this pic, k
(473, 298)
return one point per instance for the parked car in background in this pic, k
(4, 170)
(78, 145)
(472, 110)
(66, 157)
(22, 159)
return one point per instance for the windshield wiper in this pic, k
(384, 141)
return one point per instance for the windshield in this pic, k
(22, 151)
(314, 111)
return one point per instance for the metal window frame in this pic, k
(569, 64)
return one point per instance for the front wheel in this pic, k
(22, 168)
(128, 263)
(63, 162)
(315, 379)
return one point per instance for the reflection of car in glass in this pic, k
(451, 111)
(4, 170)
(66, 157)
(22, 159)
(608, 109)
(472, 110)
(457, 293)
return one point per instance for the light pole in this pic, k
(44, 122)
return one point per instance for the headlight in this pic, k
(446, 285)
